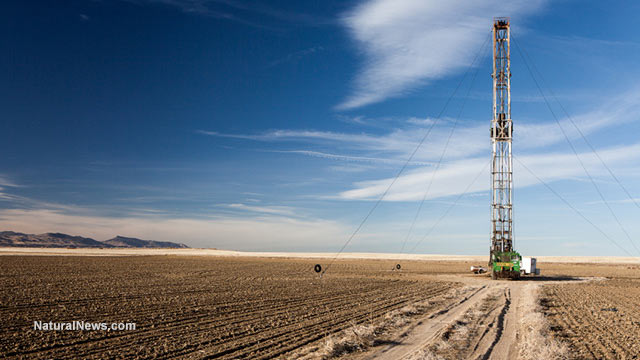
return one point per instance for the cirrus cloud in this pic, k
(408, 43)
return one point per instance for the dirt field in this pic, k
(238, 307)
(599, 319)
(195, 307)
(480, 259)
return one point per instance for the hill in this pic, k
(10, 238)
(59, 240)
(127, 242)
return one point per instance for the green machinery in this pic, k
(505, 265)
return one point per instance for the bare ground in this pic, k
(194, 307)
(345, 256)
(250, 307)
(492, 320)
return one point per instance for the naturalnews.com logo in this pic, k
(82, 326)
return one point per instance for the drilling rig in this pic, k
(504, 261)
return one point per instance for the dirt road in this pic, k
(493, 320)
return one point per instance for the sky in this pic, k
(277, 125)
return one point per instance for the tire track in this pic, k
(427, 330)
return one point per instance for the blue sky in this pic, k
(275, 125)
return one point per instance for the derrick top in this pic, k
(500, 23)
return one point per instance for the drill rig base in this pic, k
(505, 265)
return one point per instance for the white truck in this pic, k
(477, 269)
(529, 266)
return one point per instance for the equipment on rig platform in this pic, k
(504, 262)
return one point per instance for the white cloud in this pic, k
(351, 158)
(632, 200)
(408, 43)
(274, 210)
(453, 178)
(6, 182)
(620, 109)
(398, 142)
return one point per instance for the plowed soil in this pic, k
(258, 308)
(195, 307)
(599, 319)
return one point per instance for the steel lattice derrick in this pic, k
(501, 137)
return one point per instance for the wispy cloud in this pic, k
(276, 13)
(248, 233)
(622, 201)
(464, 160)
(296, 56)
(189, 6)
(398, 141)
(408, 43)
(7, 182)
(202, 8)
(470, 138)
(6, 195)
(238, 11)
(620, 109)
(284, 135)
(353, 158)
(572, 43)
(454, 177)
(241, 226)
(273, 210)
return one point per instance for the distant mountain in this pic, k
(127, 242)
(57, 240)
(10, 238)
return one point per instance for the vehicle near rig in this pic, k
(529, 266)
(506, 264)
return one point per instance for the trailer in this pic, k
(529, 266)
